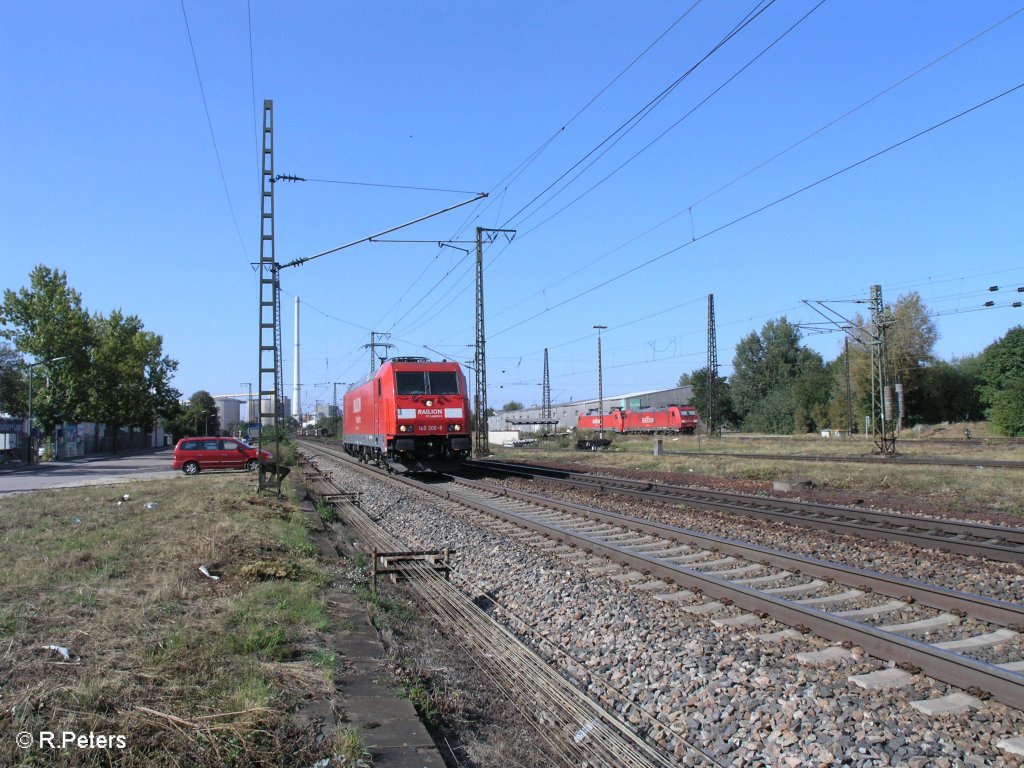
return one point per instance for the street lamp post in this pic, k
(600, 382)
(248, 406)
(31, 366)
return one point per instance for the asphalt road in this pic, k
(92, 471)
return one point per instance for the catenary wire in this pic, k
(752, 170)
(515, 173)
(213, 137)
(638, 116)
(252, 82)
(769, 205)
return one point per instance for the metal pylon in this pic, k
(883, 426)
(270, 301)
(546, 396)
(481, 441)
(713, 418)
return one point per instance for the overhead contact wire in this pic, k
(768, 206)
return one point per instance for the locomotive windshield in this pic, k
(443, 382)
(426, 383)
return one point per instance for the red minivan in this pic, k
(193, 454)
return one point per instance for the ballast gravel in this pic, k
(682, 679)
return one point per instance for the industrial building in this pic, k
(565, 415)
(229, 410)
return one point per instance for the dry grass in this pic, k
(960, 489)
(191, 671)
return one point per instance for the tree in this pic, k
(13, 385)
(698, 379)
(950, 391)
(778, 386)
(130, 374)
(48, 322)
(1002, 388)
(812, 390)
(512, 406)
(197, 417)
(1006, 412)
(910, 341)
(910, 344)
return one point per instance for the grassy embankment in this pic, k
(189, 670)
(965, 489)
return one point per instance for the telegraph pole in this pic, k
(482, 446)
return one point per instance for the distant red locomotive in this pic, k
(673, 419)
(410, 414)
(612, 421)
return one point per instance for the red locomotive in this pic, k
(673, 419)
(411, 415)
(612, 421)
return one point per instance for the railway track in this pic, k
(964, 640)
(990, 541)
(882, 460)
(572, 728)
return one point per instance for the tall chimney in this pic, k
(296, 402)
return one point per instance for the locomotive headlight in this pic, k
(405, 428)
(429, 403)
(454, 427)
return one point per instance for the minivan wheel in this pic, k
(190, 468)
(250, 465)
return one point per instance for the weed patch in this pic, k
(190, 670)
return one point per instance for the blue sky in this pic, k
(114, 178)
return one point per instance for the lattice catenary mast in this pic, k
(882, 412)
(713, 418)
(546, 393)
(481, 442)
(270, 383)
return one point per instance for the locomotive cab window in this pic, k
(410, 383)
(443, 382)
(426, 383)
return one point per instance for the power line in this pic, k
(753, 14)
(750, 17)
(664, 133)
(252, 82)
(384, 186)
(767, 206)
(516, 172)
(512, 176)
(213, 138)
(689, 209)
(649, 107)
